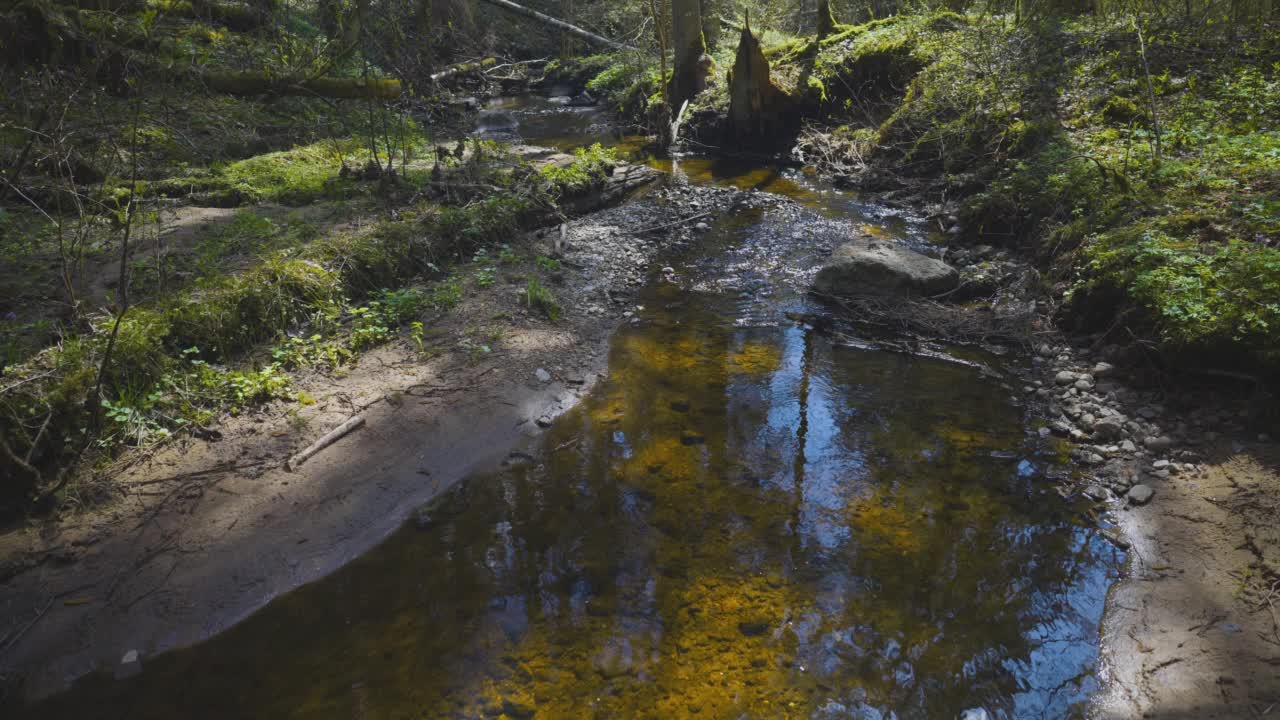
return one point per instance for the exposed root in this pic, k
(832, 155)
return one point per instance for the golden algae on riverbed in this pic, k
(755, 358)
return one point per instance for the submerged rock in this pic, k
(870, 267)
(614, 660)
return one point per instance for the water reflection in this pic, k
(742, 522)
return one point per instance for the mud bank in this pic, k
(1192, 628)
(209, 531)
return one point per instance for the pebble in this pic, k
(542, 375)
(1110, 428)
(1158, 444)
(1096, 493)
(1065, 377)
(130, 665)
(1141, 494)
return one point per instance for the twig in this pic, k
(198, 473)
(10, 642)
(674, 224)
(525, 63)
(329, 438)
(24, 381)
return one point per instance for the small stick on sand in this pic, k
(329, 438)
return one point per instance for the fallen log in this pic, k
(257, 83)
(463, 69)
(559, 24)
(329, 438)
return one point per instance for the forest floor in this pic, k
(207, 531)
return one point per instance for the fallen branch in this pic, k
(675, 126)
(329, 438)
(257, 83)
(230, 467)
(933, 319)
(682, 221)
(13, 639)
(465, 68)
(559, 24)
(518, 64)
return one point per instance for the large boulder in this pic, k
(877, 267)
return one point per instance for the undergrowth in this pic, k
(1046, 137)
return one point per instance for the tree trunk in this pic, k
(826, 20)
(711, 22)
(456, 14)
(758, 109)
(689, 73)
(330, 16)
(255, 83)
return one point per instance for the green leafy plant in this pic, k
(446, 294)
(417, 335)
(538, 297)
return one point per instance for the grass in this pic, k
(297, 176)
(538, 297)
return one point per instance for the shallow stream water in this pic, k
(748, 519)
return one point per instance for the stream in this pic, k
(749, 518)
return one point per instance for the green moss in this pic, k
(590, 167)
(1123, 110)
(575, 73)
